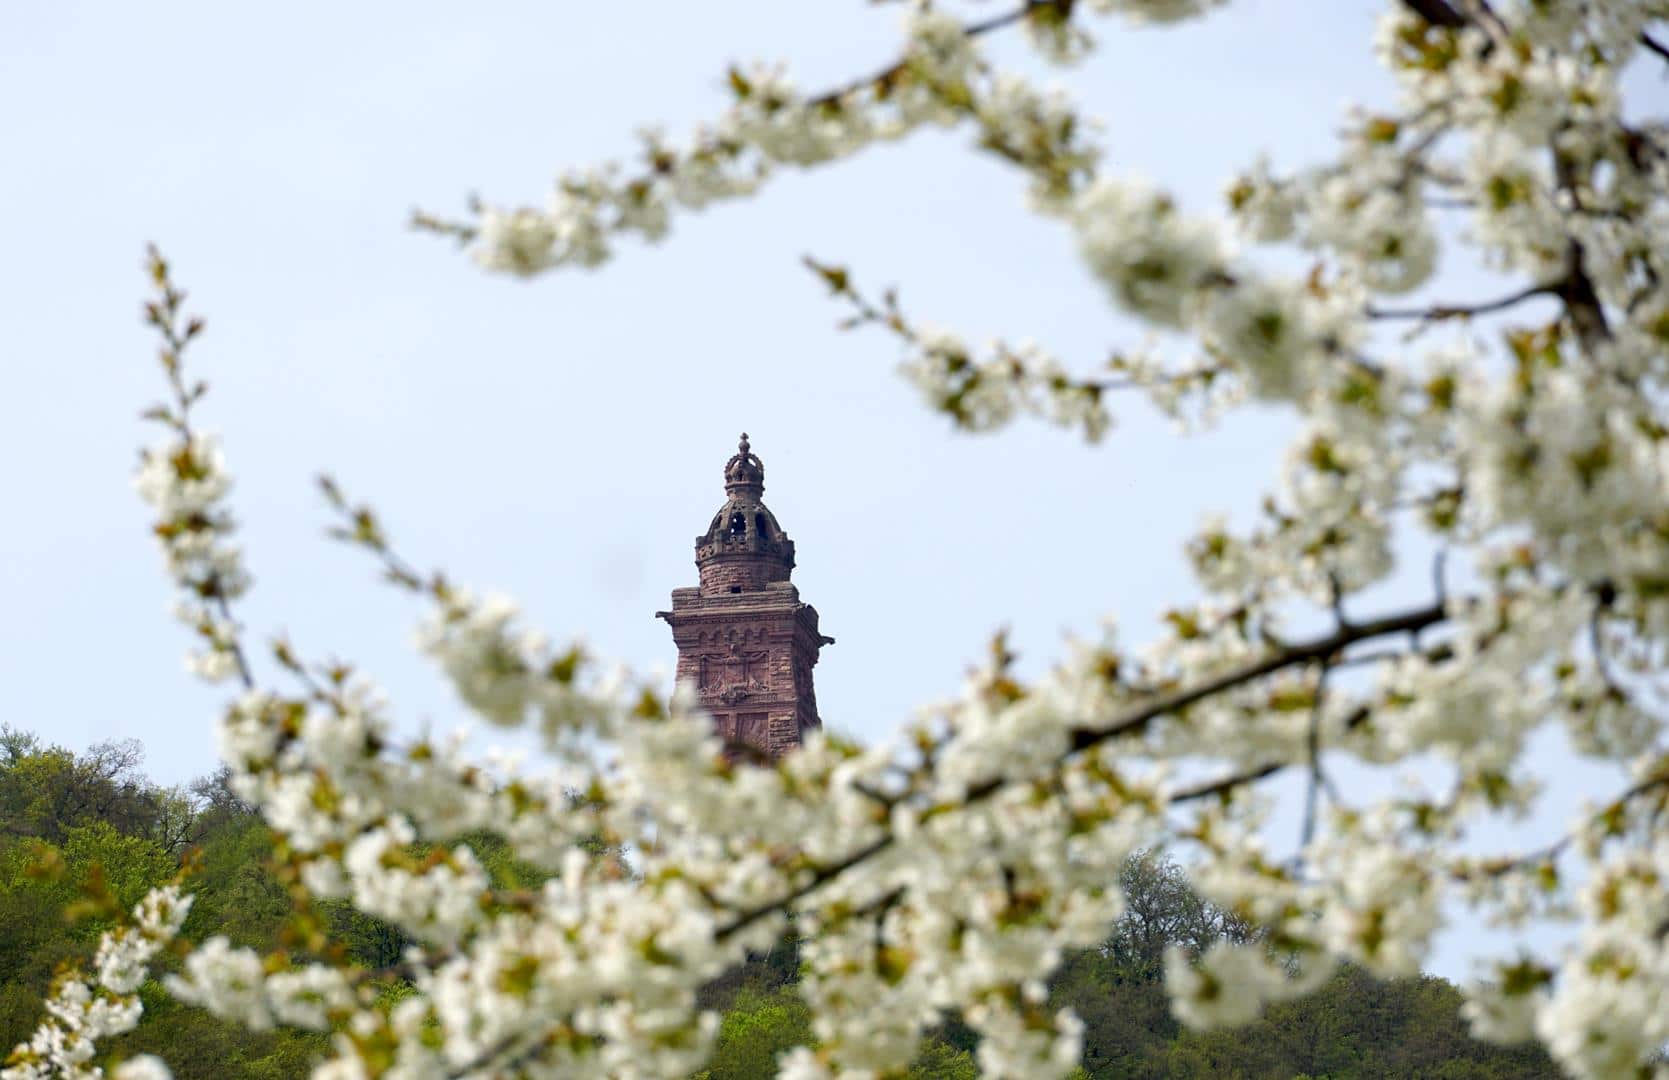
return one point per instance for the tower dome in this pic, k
(743, 549)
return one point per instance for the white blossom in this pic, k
(143, 1067)
(951, 866)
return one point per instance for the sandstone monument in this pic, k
(743, 636)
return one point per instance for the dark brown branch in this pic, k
(1557, 848)
(972, 30)
(824, 874)
(245, 676)
(1225, 784)
(1457, 311)
(1582, 301)
(1083, 738)
(360, 526)
(1407, 622)
(1436, 12)
(1312, 745)
(509, 1065)
(1654, 45)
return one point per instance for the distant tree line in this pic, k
(81, 832)
(1355, 1026)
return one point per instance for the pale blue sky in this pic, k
(562, 440)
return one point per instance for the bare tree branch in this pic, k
(1436, 12)
(1458, 311)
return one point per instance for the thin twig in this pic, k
(1457, 311)
(1312, 746)
(165, 315)
(972, 30)
(1554, 850)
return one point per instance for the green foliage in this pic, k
(75, 826)
(758, 1027)
(67, 820)
(761, 973)
(129, 865)
(941, 1061)
(1353, 1027)
(199, 1047)
(235, 893)
(1161, 909)
(45, 790)
(1356, 1026)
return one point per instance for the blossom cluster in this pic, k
(84, 1008)
(1522, 434)
(184, 481)
(949, 868)
(940, 79)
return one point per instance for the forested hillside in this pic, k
(88, 833)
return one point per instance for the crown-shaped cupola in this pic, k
(744, 549)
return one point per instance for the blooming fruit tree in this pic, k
(1522, 436)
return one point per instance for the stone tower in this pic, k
(744, 639)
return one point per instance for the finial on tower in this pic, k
(745, 473)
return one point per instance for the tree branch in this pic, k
(1582, 301)
(1555, 849)
(1083, 738)
(1436, 12)
(1456, 311)
(1225, 784)
(1407, 622)
(1312, 744)
(178, 331)
(973, 30)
